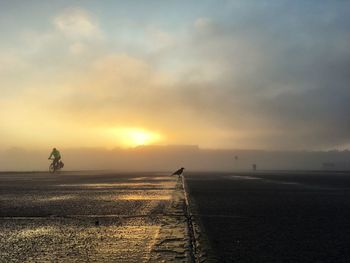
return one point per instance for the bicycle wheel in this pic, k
(52, 168)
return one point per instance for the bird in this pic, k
(179, 172)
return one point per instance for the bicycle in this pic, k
(53, 168)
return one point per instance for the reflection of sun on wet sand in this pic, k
(119, 185)
(57, 198)
(139, 195)
(93, 217)
(156, 178)
(35, 232)
(144, 197)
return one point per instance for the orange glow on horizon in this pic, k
(132, 137)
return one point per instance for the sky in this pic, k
(258, 74)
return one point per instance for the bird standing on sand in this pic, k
(179, 172)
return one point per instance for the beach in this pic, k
(92, 217)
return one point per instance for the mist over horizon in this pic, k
(169, 158)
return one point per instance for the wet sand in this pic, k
(273, 216)
(141, 217)
(92, 217)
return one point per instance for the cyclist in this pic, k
(57, 156)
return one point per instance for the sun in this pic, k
(132, 137)
(139, 137)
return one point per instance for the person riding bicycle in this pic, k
(57, 156)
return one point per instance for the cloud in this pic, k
(204, 24)
(78, 48)
(77, 23)
(264, 75)
(10, 61)
(282, 74)
(160, 39)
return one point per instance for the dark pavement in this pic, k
(274, 216)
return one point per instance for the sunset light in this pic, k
(206, 78)
(174, 131)
(131, 137)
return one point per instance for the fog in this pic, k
(169, 158)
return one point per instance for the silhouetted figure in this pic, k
(56, 157)
(179, 172)
(97, 223)
(254, 167)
